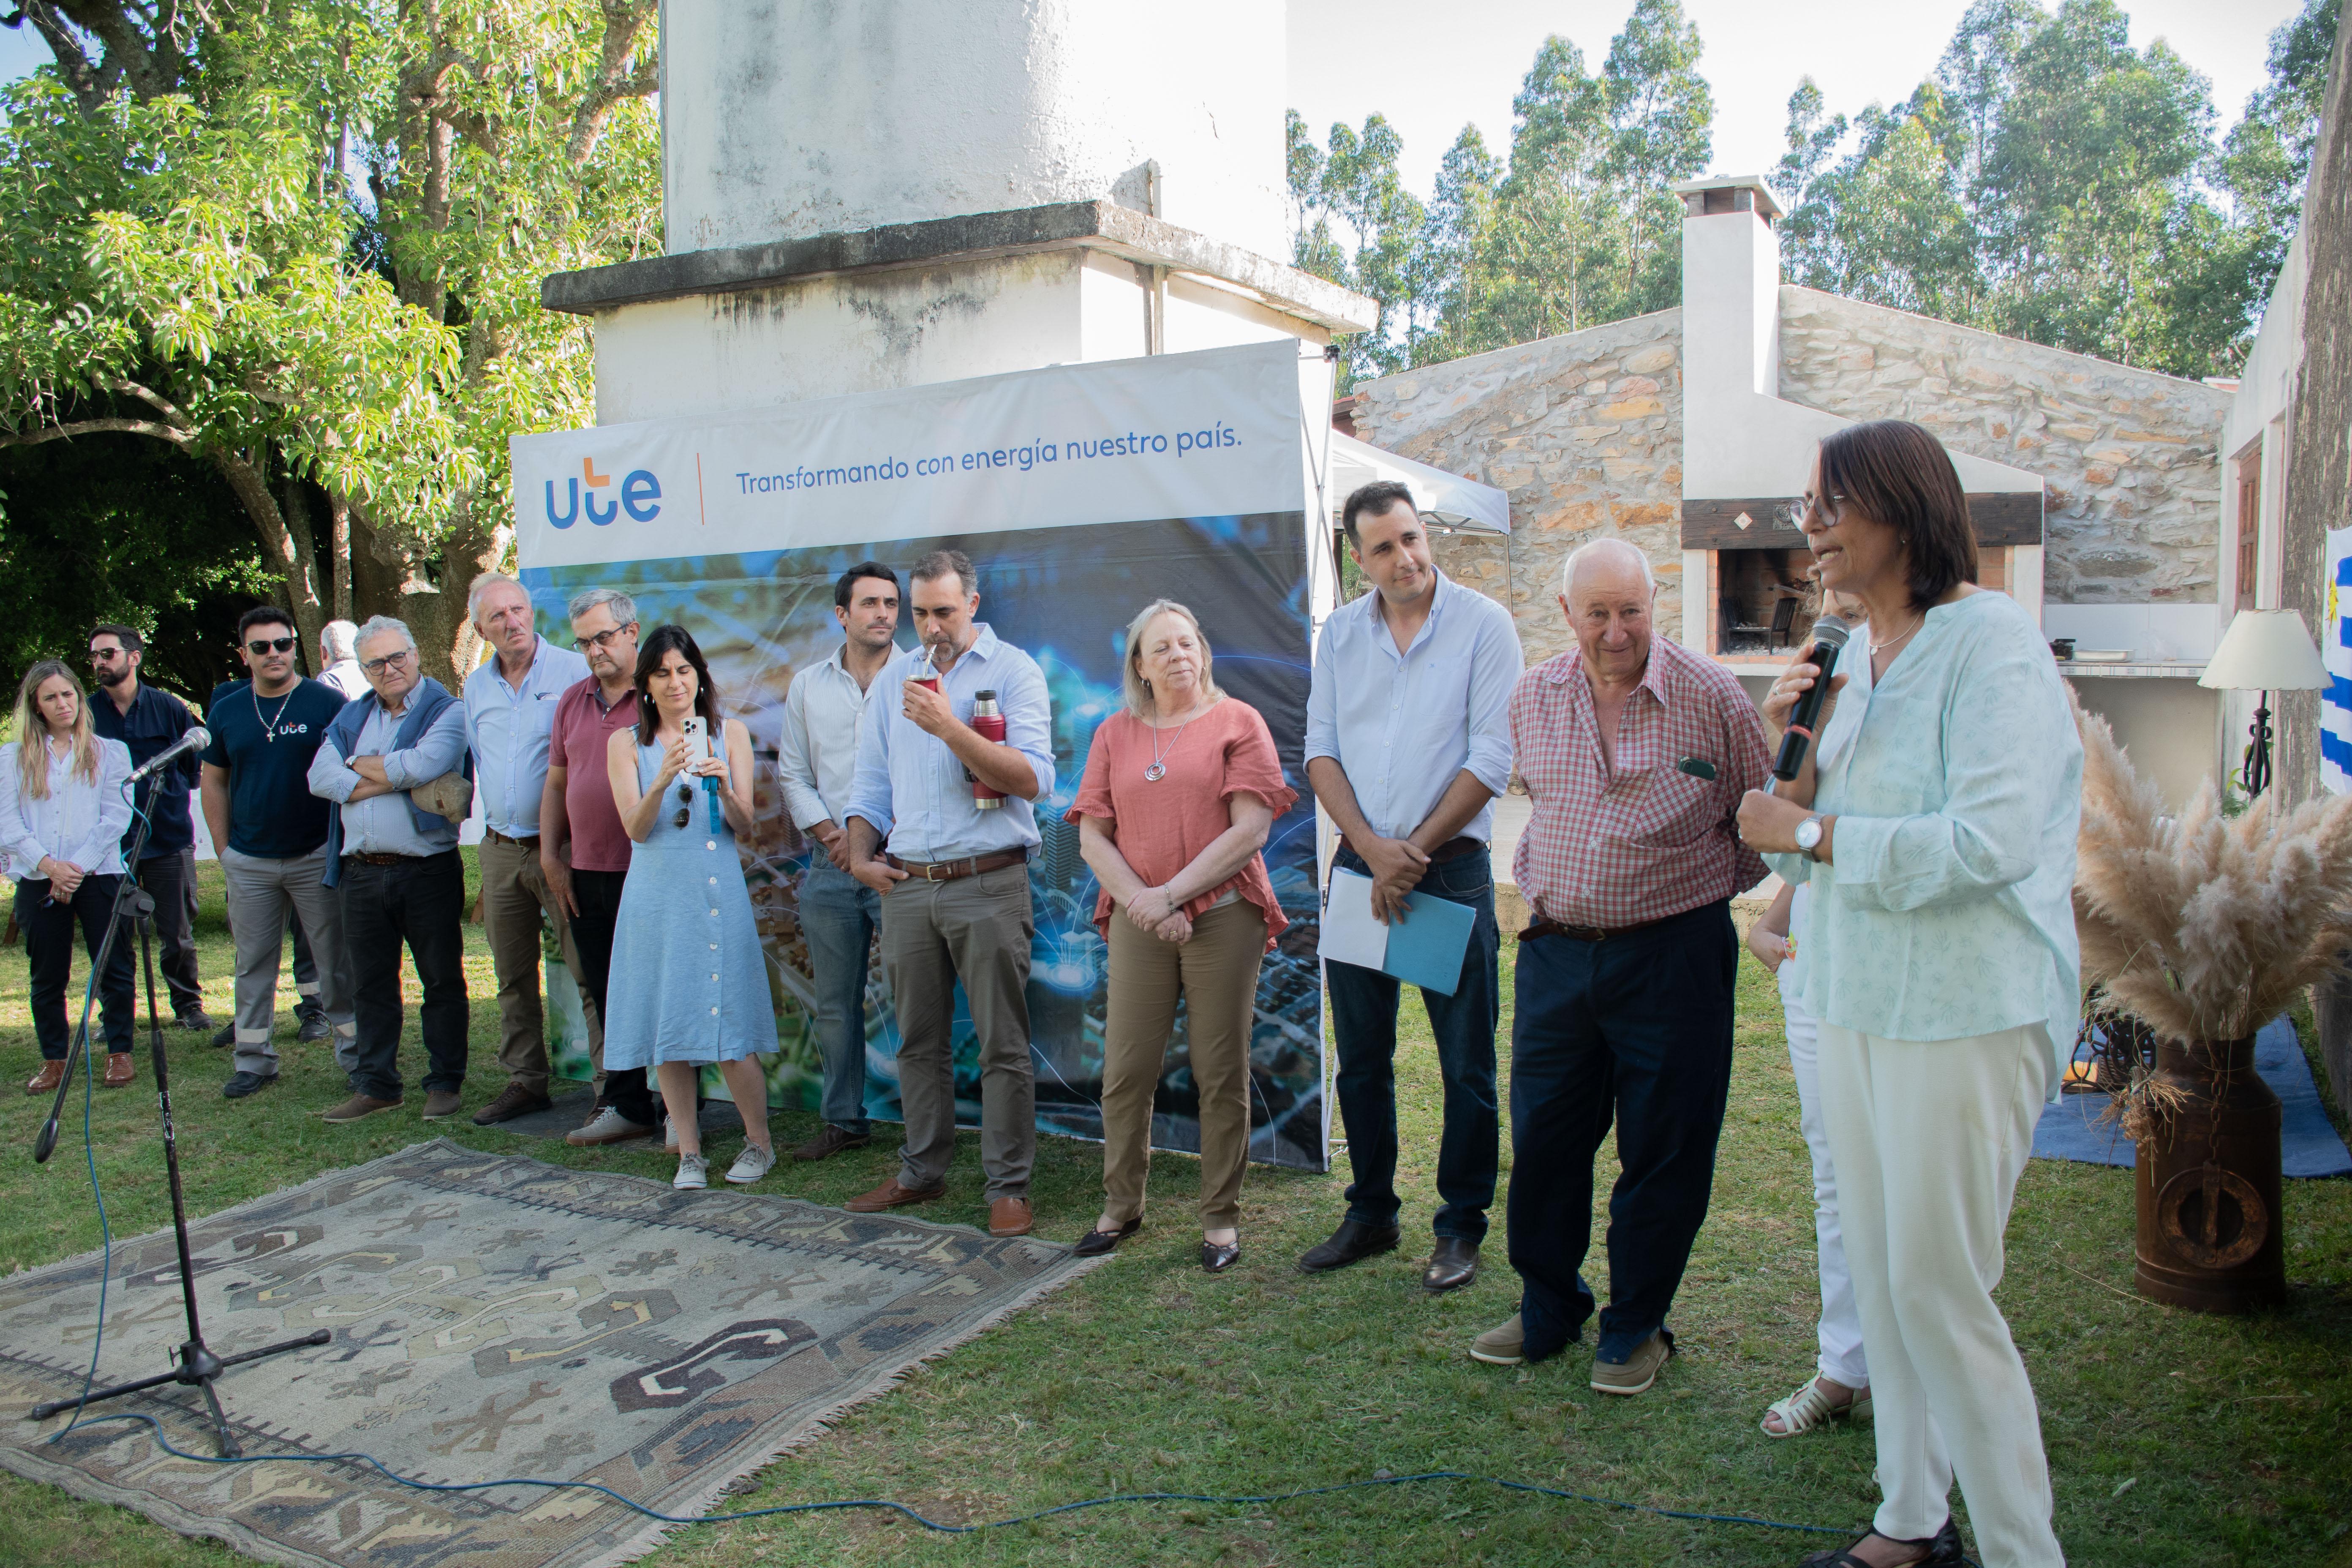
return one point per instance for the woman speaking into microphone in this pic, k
(689, 983)
(1941, 964)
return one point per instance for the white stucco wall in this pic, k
(783, 118)
(824, 337)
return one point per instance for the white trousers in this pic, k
(1839, 1331)
(1929, 1140)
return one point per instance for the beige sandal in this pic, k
(1809, 1407)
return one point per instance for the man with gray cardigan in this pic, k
(396, 870)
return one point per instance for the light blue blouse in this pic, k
(1949, 911)
(78, 822)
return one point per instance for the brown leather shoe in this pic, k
(357, 1106)
(831, 1140)
(892, 1195)
(512, 1102)
(120, 1068)
(46, 1080)
(1009, 1216)
(440, 1103)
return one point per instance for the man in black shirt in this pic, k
(271, 833)
(148, 722)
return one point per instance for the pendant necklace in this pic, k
(1158, 768)
(1878, 647)
(269, 725)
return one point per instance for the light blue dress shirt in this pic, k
(384, 824)
(1402, 725)
(80, 821)
(1950, 910)
(506, 728)
(816, 750)
(912, 788)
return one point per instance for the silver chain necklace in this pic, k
(1158, 768)
(269, 725)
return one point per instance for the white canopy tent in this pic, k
(1444, 499)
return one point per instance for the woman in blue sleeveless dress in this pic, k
(689, 983)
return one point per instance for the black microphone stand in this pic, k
(194, 1364)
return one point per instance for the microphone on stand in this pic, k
(195, 740)
(1829, 635)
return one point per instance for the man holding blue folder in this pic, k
(1407, 743)
(1636, 753)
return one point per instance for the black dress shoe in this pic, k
(1944, 1551)
(1216, 1256)
(1453, 1263)
(1351, 1243)
(1095, 1243)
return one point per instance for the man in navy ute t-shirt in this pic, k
(271, 833)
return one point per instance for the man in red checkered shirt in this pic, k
(1636, 753)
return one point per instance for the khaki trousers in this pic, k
(1929, 1139)
(1216, 975)
(514, 891)
(976, 930)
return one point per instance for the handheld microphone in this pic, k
(1829, 635)
(195, 740)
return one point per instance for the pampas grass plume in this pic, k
(2201, 926)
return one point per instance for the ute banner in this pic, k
(1081, 494)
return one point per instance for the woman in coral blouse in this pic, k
(1178, 792)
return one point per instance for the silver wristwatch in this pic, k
(1809, 836)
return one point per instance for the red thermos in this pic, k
(989, 724)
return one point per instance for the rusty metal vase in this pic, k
(2207, 1182)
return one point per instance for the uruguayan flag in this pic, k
(2336, 653)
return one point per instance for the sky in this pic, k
(1351, 57)
(1432, 69)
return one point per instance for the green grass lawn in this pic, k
(2174, 1439)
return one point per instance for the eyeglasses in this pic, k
(260, 646)
(378, 666)
(1795, 513)
(600, 640)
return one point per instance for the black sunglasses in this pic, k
(269, 644)
(685, 800)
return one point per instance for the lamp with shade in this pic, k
(2265, 651)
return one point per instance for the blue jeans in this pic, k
(839, 915)
(1363, 1019)
(1636, 1028)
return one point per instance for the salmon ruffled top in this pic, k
(1161, 826)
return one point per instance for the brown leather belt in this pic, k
(1586, 933)
(954, 870)
(372, 858)
(1451, 849)
(530, 843)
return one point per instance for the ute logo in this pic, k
(639, 496)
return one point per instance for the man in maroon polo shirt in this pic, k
(576, 813)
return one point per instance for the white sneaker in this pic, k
(608, 1126)
(669, 1137)
(693, 1173)
(751, 1165)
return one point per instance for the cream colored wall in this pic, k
(2167, 727)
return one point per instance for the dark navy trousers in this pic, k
(1363, 1023)
(1635, 1030)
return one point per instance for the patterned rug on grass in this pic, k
(493, 1317)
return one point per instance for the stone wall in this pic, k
(2134, 503)
(1584, 431)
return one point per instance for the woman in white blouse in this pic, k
(62, 813)
(1940, 962)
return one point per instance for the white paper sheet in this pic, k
(1351, 934)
